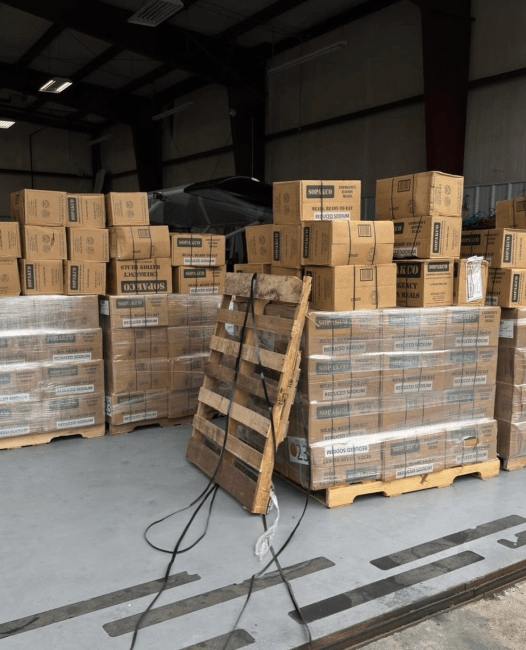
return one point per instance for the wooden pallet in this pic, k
(247, 463)
(121, 429)
(513, 464)
(344, 495)
(36, 439)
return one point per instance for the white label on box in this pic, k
(14, 431)
(405, 251)
(407, 345)
(471, 341)
(204, 290)
(79, 422)
(415, 470)
(298, 450)
(138, 417)
(412, 387)
(474, 288)
(472, 457)
(344, 449)
(344, 348)
(491, 301)
(332, 216)
(105, 307)
(80, 356)
(344, 393)
(108, 405)
(506, 329)
(205, 260)
(13, 399)
(470, 381)
(140, 321)
(75, 390)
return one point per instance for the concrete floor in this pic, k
(75, 567)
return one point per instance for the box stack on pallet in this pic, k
(198, 262)
(51, 370)
(10, 251)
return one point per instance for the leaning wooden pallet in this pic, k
(244, 468)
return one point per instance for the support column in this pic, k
(247, 120)
(148, 146)
(446, 39)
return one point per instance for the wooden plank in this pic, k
(240, 413)
(272, 360)
(251, 385)
(272, 324)
(122, 429)
(228, 477)
(514, 464)
(268, 287)
(36, 439)
(235, 446)
(344, 495)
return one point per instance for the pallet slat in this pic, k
(513, 464)
(251, 384)
(239, 413)
(268, 287)
(271, 324)
(272, 360)
(235, 446)
(121, 429)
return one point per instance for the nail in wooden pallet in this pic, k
(247, 462)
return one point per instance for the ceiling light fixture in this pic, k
(102, 138)
(55, 85)
(307, 57)
(171, 111)
(6, 124)
(156, 12)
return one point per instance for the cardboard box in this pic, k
(17, 348)
(20, 383)
(427, 194)
(411, 361)
(9, 278)
(136, 343)
(344, 288)
(297, 201)
(41, 243)
(136, 406)
(41, 277)
(502, 247)
(406, 330)
(88, 245)
(185, 310)
(470, 282)
(510, 402)
(187, 372)
(142, 311)
(282, 270)
(199, 281)
(183, 341)
(84, 278)
(127, 209)
(59, 379)
(342, 243)
(139, 242)
(20, 419)
(511, 213)
(342, 334)
(260, 242)
(10, 240)
(402, 412)
(416, 380)
(340, 369)
(353, 451)
(191, 249)
(86, 211)
(71, 346)
(506, 287)
(472, 403)
(512, 332)
(472, 326)
(511, 440)
(137, 375)
(427, 237)
(63, 413)
(287, 247)
(462, 363)
(511, 368)
(472, 442)
(41, 312)
(182, 402)
(425, 283)
(253, 268)
(39, 207)
(359, 385)
(340, 419)
(412, 453)
(140, 276)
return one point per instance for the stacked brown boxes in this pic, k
(510, 408)
(427, 213)
(198, 262)
(393, 393)
(10, 251)
(42, 218)
(51, 368)
(155, 351)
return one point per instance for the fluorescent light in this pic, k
(156, 12)
(171, 111)
(6, 124)
(307, 57)
(55, 85)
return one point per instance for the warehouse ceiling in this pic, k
(123, 72)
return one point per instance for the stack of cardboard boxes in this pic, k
(51, 368)
(317, 232)
(10, 251)
(198, 262)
